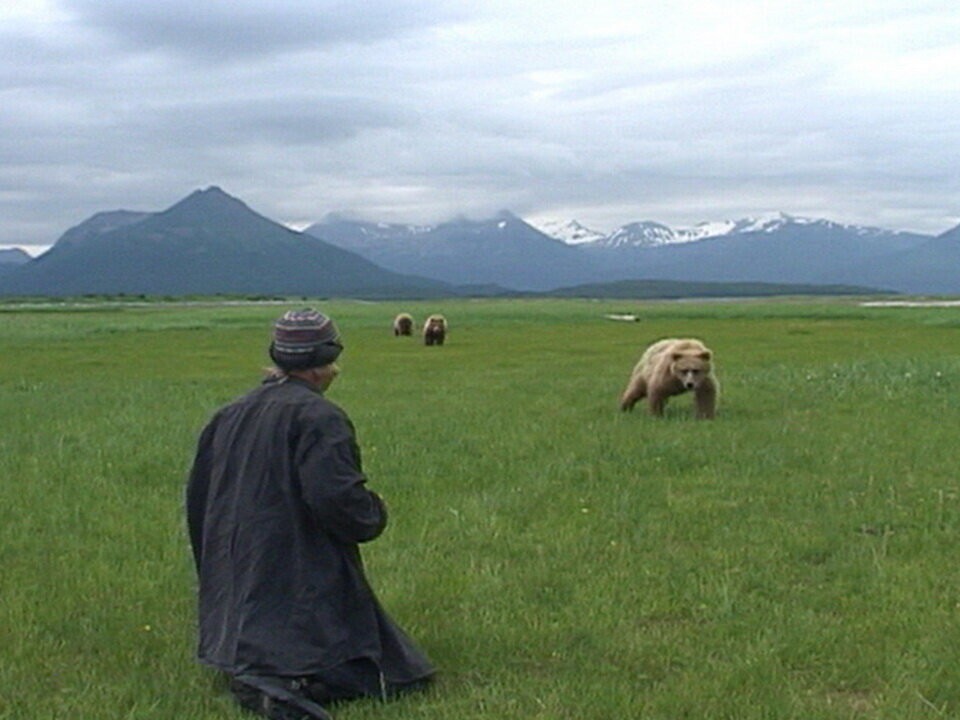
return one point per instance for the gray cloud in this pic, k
(240, 28)
(418, 111)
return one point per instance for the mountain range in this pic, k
(782, 250)
(503, 250)
(779, 248)
(211, 242)
(646, 234)
(208, 243)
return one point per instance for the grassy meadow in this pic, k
(796, 558)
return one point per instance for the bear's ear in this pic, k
(705, 355)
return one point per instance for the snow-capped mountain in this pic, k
(569, 231)
(772, 222)
(649, 234)
(639, 234)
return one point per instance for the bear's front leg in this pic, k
(657, 402)
(705, 404)
(636, 390)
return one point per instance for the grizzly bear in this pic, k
(403, 324)
(672, 367)
(434, 330)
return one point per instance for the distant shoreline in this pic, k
(911, 303)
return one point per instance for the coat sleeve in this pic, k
(198, 485)
(334, 486)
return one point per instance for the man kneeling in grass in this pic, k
(277, 505)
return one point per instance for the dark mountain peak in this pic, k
(99, 224)
(13, 256)
(213, 199)
(109, 219)
(506, 222)
(213, 216)
(209, 242)
(214, 193)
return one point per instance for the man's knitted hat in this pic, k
(304, 339)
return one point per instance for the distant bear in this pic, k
(434, 330)
(671, 367)
(403, 324)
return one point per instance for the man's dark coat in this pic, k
(276, 507)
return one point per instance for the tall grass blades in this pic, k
(793, 559)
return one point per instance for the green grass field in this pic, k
(796, 558)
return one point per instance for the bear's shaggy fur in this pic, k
(403, 324)
(434, 330)
(671, 367)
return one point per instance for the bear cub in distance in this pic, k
(672, 367)
(434, 330)
(403, 324)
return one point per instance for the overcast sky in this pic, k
(421, 110)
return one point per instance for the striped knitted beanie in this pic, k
(304, 339)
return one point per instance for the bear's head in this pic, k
(691, 367)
